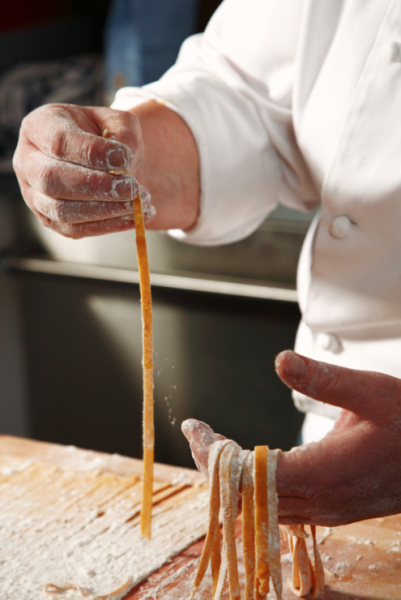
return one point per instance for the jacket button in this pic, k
(392, 52)
(330, 342)
(340, 227)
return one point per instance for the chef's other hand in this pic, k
(63, 159)
(353, 473)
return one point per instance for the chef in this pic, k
(285, 102)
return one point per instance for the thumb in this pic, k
(357, 391)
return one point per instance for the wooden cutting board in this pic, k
(362, 560)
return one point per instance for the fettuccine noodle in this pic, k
(147, 342)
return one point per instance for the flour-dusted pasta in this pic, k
(147, 360)
(228, 466)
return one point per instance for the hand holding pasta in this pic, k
(63, 162)
(231, 468)
(79, 167)
(353, 473)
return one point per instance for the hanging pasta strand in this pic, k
(274, 534)
(230, 470)
(304, 577)
(213, 533)
(222, 575)
(215, 561)
(302, 568)
(147, 342)
(248, 526)
(261, 522)
(318, 566)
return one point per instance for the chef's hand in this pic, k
(65, 154)
(354, 472)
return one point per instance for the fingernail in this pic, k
(187, 428)
(124, 188)
(118, 158)
(295, 366)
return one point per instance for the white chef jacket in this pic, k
(299, 103)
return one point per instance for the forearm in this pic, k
(169, 167)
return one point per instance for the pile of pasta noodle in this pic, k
(230, 466)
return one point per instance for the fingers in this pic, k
(77, 231)
(357, 391)
(63, 160)
(66, 181)
(65, 211)
(200, 437)
(75, 135)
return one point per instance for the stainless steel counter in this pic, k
(261, 266)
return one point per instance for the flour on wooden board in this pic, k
(59, 526)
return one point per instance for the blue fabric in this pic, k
(143, 37)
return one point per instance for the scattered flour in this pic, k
(59, 526)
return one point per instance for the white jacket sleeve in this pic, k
(233, 87)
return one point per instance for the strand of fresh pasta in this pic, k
(214, 507)
(274, 535)
(57, 590)
(147, 342)
(230, 471)
(148, 432)
(261, 522)
(319, 569)
(248, 525)
(305, 577)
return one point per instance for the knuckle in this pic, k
(72, 232)
(64, 229)
(328, 379)
(46, 180)
(45, 221)
(386, 385)
(58, 212)
(16, 160)
(25, 123)
(58, 145)
(89, 153)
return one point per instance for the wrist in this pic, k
(169, 167)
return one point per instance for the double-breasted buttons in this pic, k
(329, 342)
(392, 52)
(340, 227)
